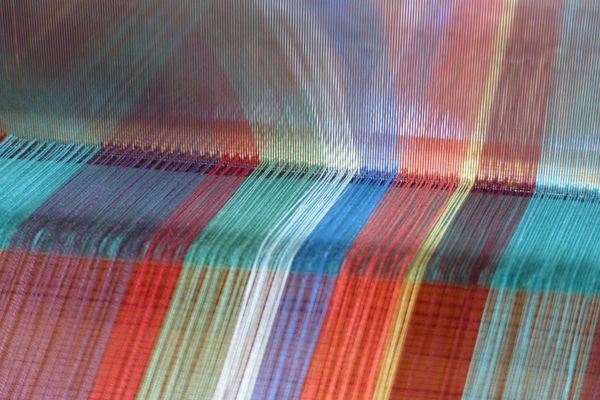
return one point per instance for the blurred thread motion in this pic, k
(300, 199)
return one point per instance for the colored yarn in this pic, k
(300, 199)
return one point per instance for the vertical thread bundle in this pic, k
(364, 199)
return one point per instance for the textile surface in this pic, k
(311, 199)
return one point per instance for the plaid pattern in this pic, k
(366, 199)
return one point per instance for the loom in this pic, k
(261, 199)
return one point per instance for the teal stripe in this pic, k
(234, 236)
(26, 181)
(203, 311)
(555, 247)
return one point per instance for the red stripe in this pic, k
(519, 106)
(190, 106)
(440, 342)
(51, 302)
(348, 352)
(436, 147)
(147, 299)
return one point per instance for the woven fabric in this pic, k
(300, 199)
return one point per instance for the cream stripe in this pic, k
(266, 284)
(410, 289)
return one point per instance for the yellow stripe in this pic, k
(416, 269)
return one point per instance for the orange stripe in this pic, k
(440, 341)
(151, 277)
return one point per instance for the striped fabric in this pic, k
(311, 199)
